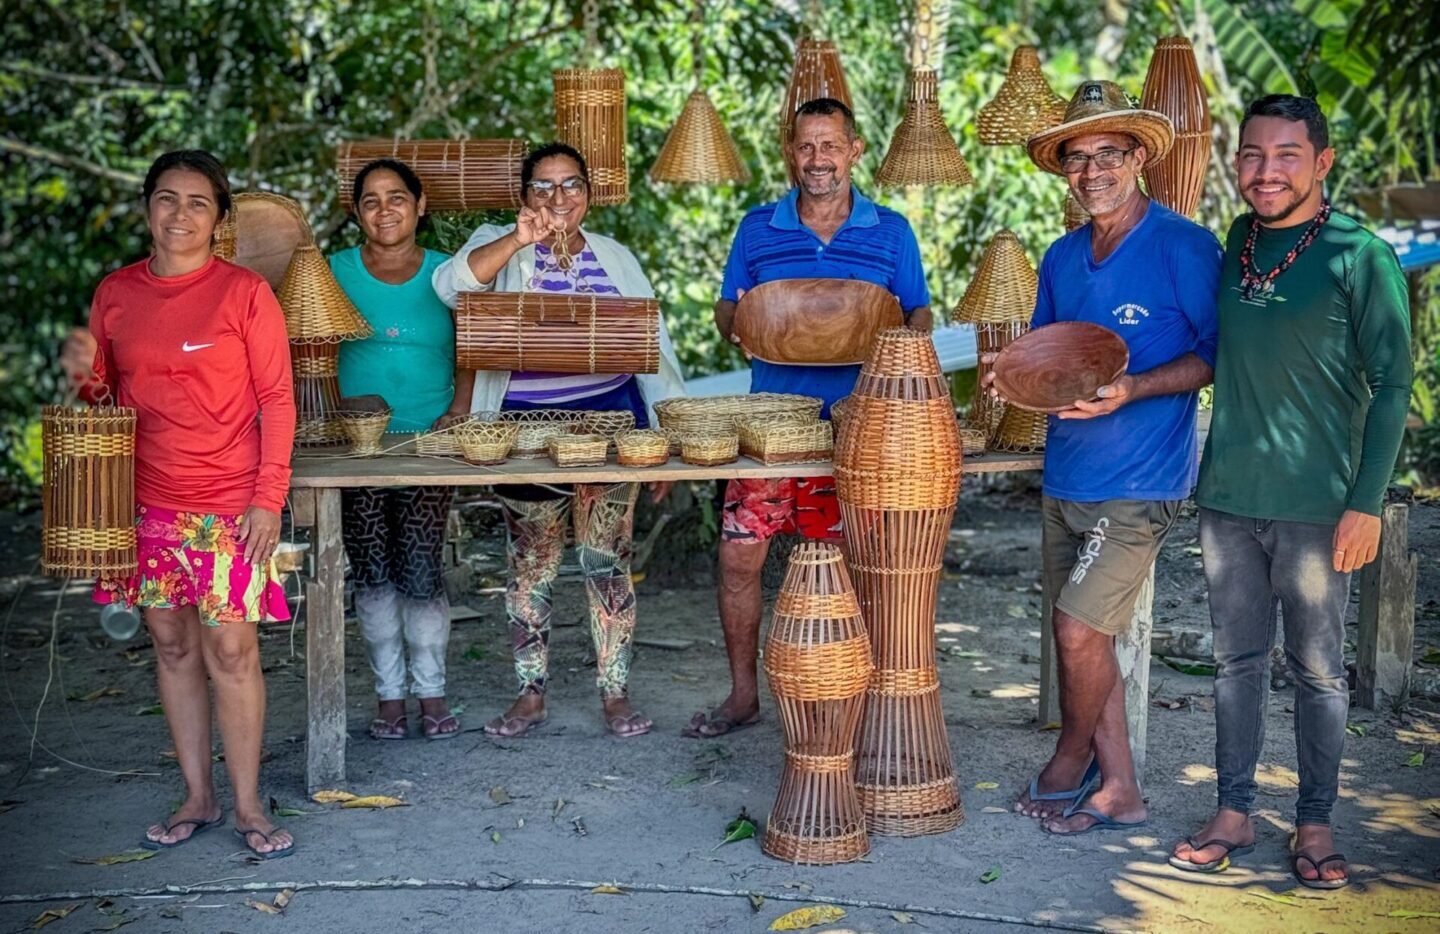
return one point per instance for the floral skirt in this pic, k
(194, 559)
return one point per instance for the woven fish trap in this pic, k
(922, 151)
(817, 660)
(784, 441)
(817, 73)
(261, 233)
(1004, 286)
(698, 150)
(1024, 105)
(991, 337)
(457, 174)
(1075, 214)
(717, 414)
(577, 450)
(590, 115)
(710, 450)
(364, 430)
(87, 491)
(1174, 88)
(485, 441)
(642, 448)
(538, 427)
(558, 333)
(608, 424)
(1019, 431)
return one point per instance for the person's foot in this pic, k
(1230, 826)
(437, 720)
(191, 815)
(260, 834)
(390, 721)
(527, 712)
(621, 719)
(732, 714)
(1119, 804)
(1059, 774)
(1310, 846)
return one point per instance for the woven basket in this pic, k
(485, 442)
(1004, 286)
(837, 414)
(709, 450)
(922, 151)
(317, 310)
(972, 441)
(1019, 431)
(590, 115)
(457, 174)
(557, 333)
(1075, 214)
(608, 424)
(1173, 87)
(783, 441)
(364, 430)
(538, 427)
(817, 73)
(442, 443)
(698, 150)
(261, 233)
(87, 491)
(672, 435)
(641, 448)
(991, 337)
(577, 450)
(1024, 105)
(717, 414)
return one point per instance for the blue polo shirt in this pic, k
(875, 244)
(1157, 290)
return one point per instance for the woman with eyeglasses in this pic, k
(548, 250)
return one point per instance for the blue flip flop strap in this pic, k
(1092, 772)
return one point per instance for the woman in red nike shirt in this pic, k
(197, 346)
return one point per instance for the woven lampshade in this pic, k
(590, 115)
(88, 491)
(1075, 215)
(1019, 431)
(317, 310)
(698, 150)
(1024, 105)
(817, 73)
(922, 151)
(1004, 285)
(1173, 87)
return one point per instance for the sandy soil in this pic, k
(654, 808)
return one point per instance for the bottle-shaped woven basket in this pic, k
(817, 658)
(87, 491)
(897, 473)
(1173, 87)
(999, 301)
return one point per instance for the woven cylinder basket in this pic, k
(87, 491)
(590, 115)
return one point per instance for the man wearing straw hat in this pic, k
(1117, 467)
(824, 229)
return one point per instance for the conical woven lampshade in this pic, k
(698, 150)
(317, 310)
(817, 74)
(1075, 215)
(922, 151)
(1024, 105)
(1020, 431)
(1004, 285)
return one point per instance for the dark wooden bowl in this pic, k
(1051, 368)
(814, 321)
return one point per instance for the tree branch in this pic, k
(36, 71)
(11, 144)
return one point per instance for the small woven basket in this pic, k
(972, 441)
(709, 450)
(364, 430)
(642, 448)
(782, 441)
(538, 427)
(1020, 431)
(608, 424)
(573, 450)
(442, 443)
(487, 442)
(838, 408)
(716, 414)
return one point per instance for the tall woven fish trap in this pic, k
(817, 73)
(718, 414)
(999, 301)
(897, 472)
(1024, 105)
(590, 115)
(1019, 431)
(1173, 87)
(262, 232)
(457, 174)
(559, 333)
(699, 150)
(87, 491)
(922, 151)
(817, 659)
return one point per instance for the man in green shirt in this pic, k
(1312, 384)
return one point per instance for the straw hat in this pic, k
(1102, 107)
(317, 310)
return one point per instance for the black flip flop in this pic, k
(703, 720)
(244, 836)
(200, 827)
(1214, 865)
(1318, 882)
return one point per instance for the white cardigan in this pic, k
(454, 276)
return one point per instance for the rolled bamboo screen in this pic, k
(88, 491)
(922, 151)
(590, 115)
(699, 150)
(1024, 105)
(561, 333)
(457, 174)
(1173, 87)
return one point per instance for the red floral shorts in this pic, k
(756, 510)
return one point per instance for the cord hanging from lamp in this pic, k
(922, 151)
(1024, 105)
(698, 150)
(590, 115)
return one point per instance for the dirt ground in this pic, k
(513, 836)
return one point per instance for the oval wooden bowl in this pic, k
(814, 321)
(1049, 368)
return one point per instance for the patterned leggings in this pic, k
(604, 517)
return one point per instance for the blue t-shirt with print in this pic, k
(875, 244)
(1157, 291)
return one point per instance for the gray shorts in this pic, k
(1097, 556)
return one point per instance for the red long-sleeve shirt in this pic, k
(204, 360)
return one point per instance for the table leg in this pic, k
(1132, 651)
(1385, 635)
(325, 648)
(1049, 678)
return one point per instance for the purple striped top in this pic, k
(538, 387)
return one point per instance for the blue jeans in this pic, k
(1252, 567)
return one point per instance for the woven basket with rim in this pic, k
(485, 442)
(698, 150)
(590, 115)
(783, 441)
(1019, 431)
(709, 450)
(922, 151)
(577, 450)
(717, 414)
(538, 427)
(641, 448)
(1024, 105)
(972, 441)
(261, 232)
(364, 430)
(457, 174)
(87, 491)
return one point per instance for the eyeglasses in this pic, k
(1104, 159)
(544, 190)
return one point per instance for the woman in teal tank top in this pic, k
(395, 537)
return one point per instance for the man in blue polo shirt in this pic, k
(1117, 467)
(823, 229)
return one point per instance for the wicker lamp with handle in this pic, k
(922, 151)
(1173, 87)
(87, 491)
(1024, 105)
(999, 301)
(590, 115)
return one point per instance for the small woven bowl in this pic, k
(538, 427)
(608, 424)
(641, 448)
(568, 450)
(364, 429)
(486, 443)
(972, 441)
(709, 450)
(782, 441)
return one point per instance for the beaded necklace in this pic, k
(1251, 281)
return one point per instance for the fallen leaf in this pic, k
(904, 917)
(494, 836)
(756, 901)
(279, 811)
(97, 694)
(1431, 656)
(990, 875)
(520, 824)
(987, 786)
(608, 890)
(119, 922)
(379, 802)
(1416, 760)
(1193, 550)
(559, 806)
(1017, 611)
(152, 710)
(741, 828)
(1286, 900)
(52, 914)
(265, 907)
(8, 805)
(977, 692)
(1409, 915)
(129, 856)
(1355, 729)
(499, 795)
(993, 810)
(1052, 725)
(476, 653)
(683, 779)
(332, 796)
(1187, 668)
(283, 898)
(802, 918)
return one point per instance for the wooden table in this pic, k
(315, 487)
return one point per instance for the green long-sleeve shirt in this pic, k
(1312, 379)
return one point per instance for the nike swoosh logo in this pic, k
(189, 347)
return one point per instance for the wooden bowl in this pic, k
(1050, 368)
(814, 321)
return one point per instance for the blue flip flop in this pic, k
(1087, 781)
(1103, 821)
(200, 827)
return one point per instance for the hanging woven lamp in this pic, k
(698, 150)
(590, 115)
(1173, 87)
(922, 151)
(1024, 105)
(318, 316)
(1075, 214)
(999, 302)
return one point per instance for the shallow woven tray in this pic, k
(782, 441)
(537, 428)
(716, 414)
(486, 442)
(642, 448)
(709, 450)
(574, 450)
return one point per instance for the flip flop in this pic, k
(725, 725)
(1087, 781)
(1318, 882)
(200, 827)
(244, 836)
(611, 722)
(1214, 865)
(1103, 822)
(427, 722)
(380, 728)
(494, 727)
